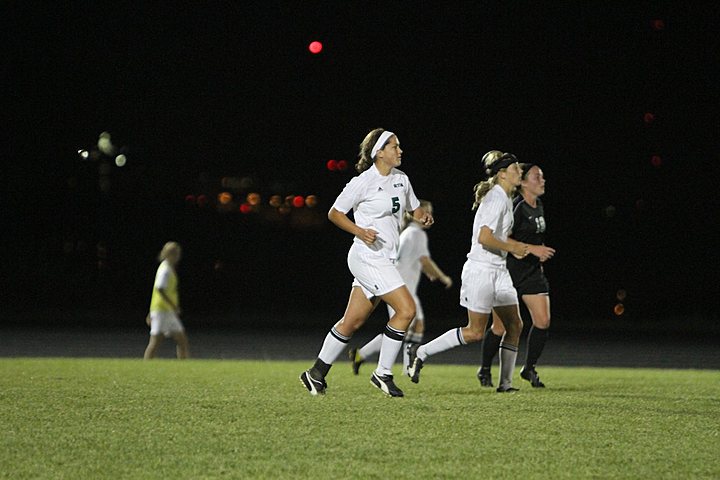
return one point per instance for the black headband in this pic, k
(526, 168)
(505, 161)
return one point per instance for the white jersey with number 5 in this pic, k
(378, 202)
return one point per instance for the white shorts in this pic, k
(485, 286)
(419, 314)
(375, 275)
(165, 323)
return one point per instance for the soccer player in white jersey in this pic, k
(165, 305)
(378, 197)
(413, 260)
(486, 283)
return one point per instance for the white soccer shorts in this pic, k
(374, 274)
(484, 287)
(165, 323)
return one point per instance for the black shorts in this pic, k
(529, 280)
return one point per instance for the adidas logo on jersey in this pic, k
(396, 185)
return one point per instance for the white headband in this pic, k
(380, 142)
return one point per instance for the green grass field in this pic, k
(89, 418)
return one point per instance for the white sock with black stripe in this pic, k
(508, 356)
(391, 343)
(333, 346)
(450, 339)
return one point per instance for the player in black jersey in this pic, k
(528, 277)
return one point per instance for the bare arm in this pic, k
(488, 239)
(341, 220)
(433, 272)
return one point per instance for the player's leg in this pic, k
(358, 309)
(414, 335)
(473, 332)
(359, 355)
(539, 308)
(153, 346)
(509, 315)
(182, 348)
(403, 304)
(490, 347)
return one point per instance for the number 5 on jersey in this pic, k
(396, 204)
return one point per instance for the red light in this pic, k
(190, 199)
(656, 160)
(649, 117)
(202, 200)
(658, 24)
(332, 165)
(342, 165)
(298, 201)
(245, 208)
(315, 47)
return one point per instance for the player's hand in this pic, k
(520, 250)
(423, 218)
(447, 281)
(367, 235)
(542, 252)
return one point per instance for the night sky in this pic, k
(195, 92)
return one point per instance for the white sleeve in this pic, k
(422, 245)
(349, 197)
(161, 277)
(490, 211)
(411, 201)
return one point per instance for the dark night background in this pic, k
(194, 92)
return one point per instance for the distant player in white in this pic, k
(378, 197)
(164, 317)
(486, 282)
(413, 260)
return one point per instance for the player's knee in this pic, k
(473, 335)
(542, 322)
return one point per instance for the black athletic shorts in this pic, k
(528, 279)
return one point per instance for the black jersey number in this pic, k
(396, 204)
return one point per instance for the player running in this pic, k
(379, 196)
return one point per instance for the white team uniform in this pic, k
(378, 202)
(413, 246)
(486, 282)
(164, 322)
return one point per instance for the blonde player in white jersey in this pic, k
(413, 260)
(486, 282)
(378, 197)
(165, 310)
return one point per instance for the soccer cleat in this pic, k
(315, 387)
(415, 364)
(507, 390)
(355, 359)
(485, 377)
(386, 384)
(529, 374)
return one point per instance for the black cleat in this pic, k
(529, 374)
(414, 363)
(315, 387)
(507, 390)
(386, 384)
(485, 377)
(355, 359)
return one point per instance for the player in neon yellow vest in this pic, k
(164, 316)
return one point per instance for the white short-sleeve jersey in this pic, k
(495, 212)
(378, 202)
(162, 277)
(413, 246)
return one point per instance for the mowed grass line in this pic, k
(91, 418)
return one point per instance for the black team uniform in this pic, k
(528, 279)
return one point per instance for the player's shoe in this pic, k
(315, 387)
(485, 377)
(414, 363)
(507, 389)
(355, 359)
(386, 384)
(529, 374)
